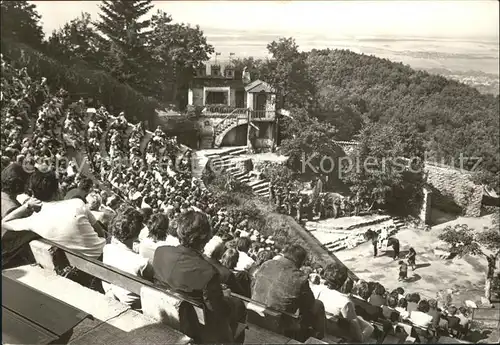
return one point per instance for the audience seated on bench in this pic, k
(67, 222)
(281, 285)
(183, 269)
(125, 228)
(338, 304)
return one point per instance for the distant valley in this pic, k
(474, 62)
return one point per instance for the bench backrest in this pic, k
(47, 254)
(268, 318)
(486, 314)
(158, 303)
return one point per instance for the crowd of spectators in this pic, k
(156, 221)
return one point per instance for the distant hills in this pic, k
(473, 61)
(454, 119)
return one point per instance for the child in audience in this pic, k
(401, 308)
(403, 270)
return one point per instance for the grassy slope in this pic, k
(286, 230)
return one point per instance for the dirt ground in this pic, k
(466, 275)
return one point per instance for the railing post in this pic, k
(249, 144)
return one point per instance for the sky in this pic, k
(417, 18)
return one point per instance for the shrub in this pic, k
(228, 183)
(82, 81)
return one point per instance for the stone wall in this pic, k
(453, 190)
(426, 209)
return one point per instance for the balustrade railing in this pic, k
(263, 114)
(223, 110)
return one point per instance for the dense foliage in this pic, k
(227, 183)
(20, 97)
(310, 145)
(452, 118)
(456, 124)
(21, 22)
(76, 43)
(378, 172)
(464, 241)
(124, 41)
(120, 60)
(178, 50)
(80, 81)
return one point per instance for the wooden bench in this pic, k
(32, 317)
(163, 305)
(486, 314)
(112, 322)
(268, 318)
(160, 304)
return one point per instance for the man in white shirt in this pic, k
(67, 222)
(244, 261)
(125, 228)
(420, 317)
(336, 303)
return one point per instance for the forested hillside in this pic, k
(118, 59)
(130, 64)
(359, 93)
(453, 119)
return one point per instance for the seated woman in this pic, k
(390, 311)
(230, 258)
(66, 222)
(461, 328)
(420, 317)
(360, 295)
(339, 305)
(243, 245)
(213, 252)
(439, 323)
(125, 228)
(377, 298)
(102, 214)
(401, 308)
(413, 300)
(158, 225)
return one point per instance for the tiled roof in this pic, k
(259, 86)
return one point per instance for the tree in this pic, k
(454, 120)
(124, 41)
(464, 241)
(288, 74)
(178, 50)
(343, 112)
(77, 41)
(387, 168)
(21, 23)
(310, 145)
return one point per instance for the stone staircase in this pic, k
(226, 162)
(352, 236)
(222, 126)
(399, 223)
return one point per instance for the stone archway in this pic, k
(225, 135)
